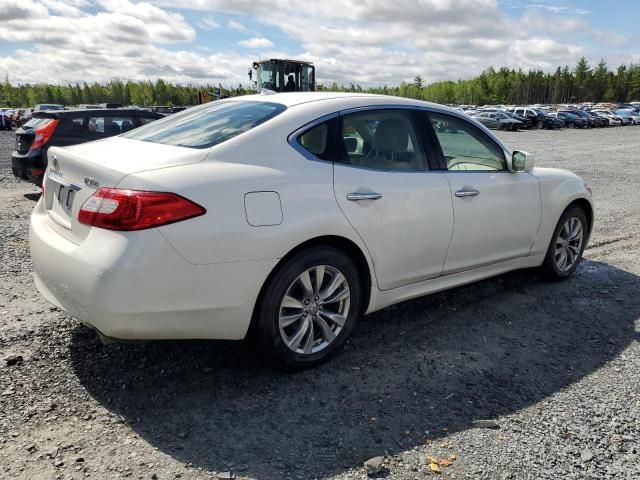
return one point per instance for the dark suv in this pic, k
(68, 127)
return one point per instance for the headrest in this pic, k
(391, 136)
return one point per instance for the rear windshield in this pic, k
(207, 125)
(36, 122)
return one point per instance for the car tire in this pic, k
(565, 245)
(571, 125)
(276, 331)
(540, 124)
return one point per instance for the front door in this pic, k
(497, 213)
(384, 186)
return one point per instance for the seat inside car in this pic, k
(390, 147)
(127, 125)
(111, 127)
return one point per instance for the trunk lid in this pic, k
(76, 172)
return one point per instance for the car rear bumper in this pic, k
(29, 166)
(135, 286)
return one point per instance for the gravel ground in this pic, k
(554, 367)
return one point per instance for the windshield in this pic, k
(268, 77)
(207, 125)
(35, 122)
(623, 113)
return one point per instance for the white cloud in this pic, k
(371, 42)
(208, 23)
(256, 42)
(236, 26)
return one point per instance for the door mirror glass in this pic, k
(521, 162)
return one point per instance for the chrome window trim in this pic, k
(292, 137)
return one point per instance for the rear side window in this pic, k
(208, 125)
(319, 139)
(109, 126)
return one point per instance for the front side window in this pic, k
(465, 147)
(207, 125)
(382, 140)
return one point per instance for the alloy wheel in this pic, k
(568, 244)
(314, 309)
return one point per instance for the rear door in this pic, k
(389, 192)
(497, 213)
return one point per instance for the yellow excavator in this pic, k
(282, 75)
(276, 75)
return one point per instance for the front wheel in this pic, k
(540, 124)
(309, 308)
(567, 245)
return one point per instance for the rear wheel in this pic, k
(540, 124)
(567, 245)
(309, 308)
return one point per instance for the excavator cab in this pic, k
(284, 75)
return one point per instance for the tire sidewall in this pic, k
(549, 263)
(268, 328)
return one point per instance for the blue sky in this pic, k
(369, 42)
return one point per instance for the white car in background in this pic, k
(290, 215)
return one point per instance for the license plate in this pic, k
(65, 196)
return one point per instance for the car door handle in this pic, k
(467, 193)
(356, 196)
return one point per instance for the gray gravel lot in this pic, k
(555, 366)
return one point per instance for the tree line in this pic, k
(143, 93)
(503, 86)
(508, 86)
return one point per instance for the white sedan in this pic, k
(291, 215)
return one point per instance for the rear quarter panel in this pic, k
(260, 160)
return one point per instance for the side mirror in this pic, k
(521, 162)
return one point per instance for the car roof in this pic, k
(95, 111)
(291, 99)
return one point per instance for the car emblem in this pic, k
(91, 182)
(54, 162)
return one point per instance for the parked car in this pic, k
(21, 116)
(526, 122)
(570, 119)
(110, 105)
(5, 120)
(537, 117)
(603, 118)
(636, 117)
(592, 122)
(497, 120)
(614, 119)
(252, 213)
(47, 106)
(627, 117)
(50, 128)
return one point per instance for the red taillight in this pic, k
(115, 209)
(43, 133)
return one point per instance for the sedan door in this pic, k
(388, 191)
(497, 213)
